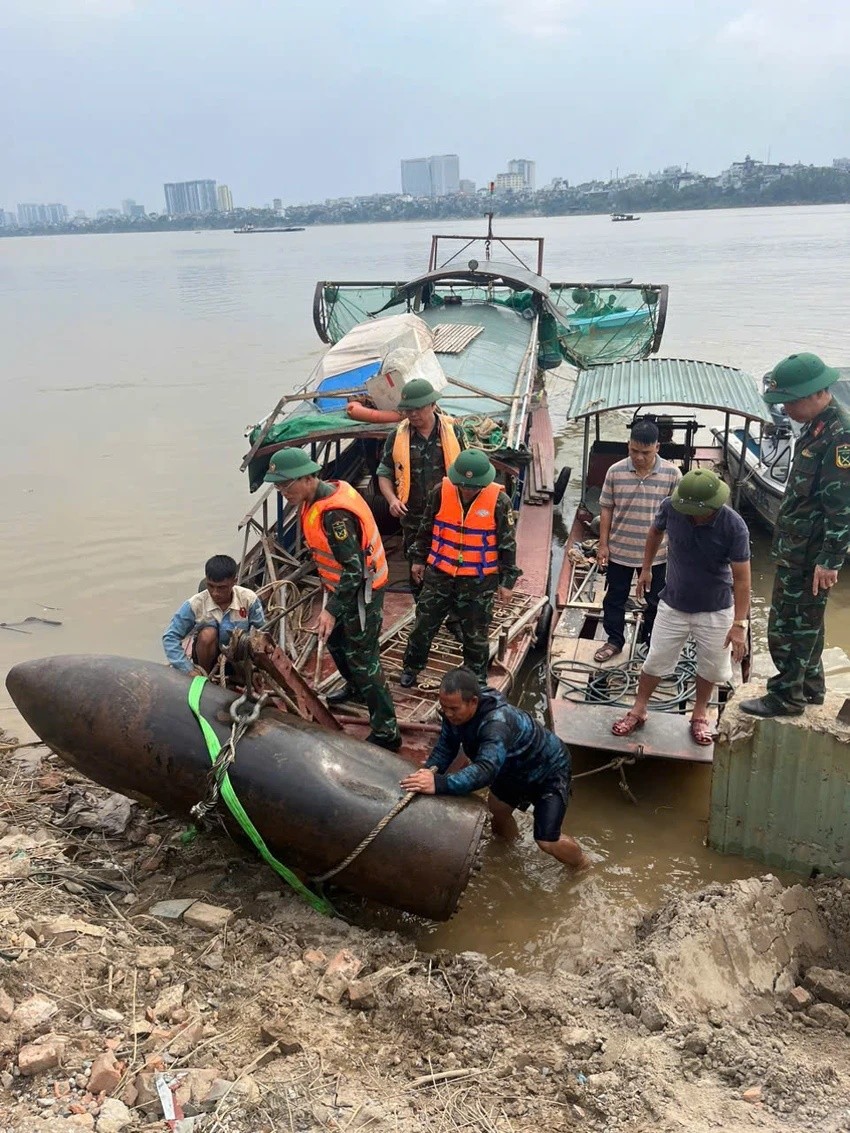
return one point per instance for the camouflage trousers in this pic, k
(356, 654)
(409, 531)
(469, 601)
(795, 637)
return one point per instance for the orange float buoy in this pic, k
(358, 412)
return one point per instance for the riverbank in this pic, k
(472, 210)
(255, 1013)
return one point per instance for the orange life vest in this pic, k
(401, 452)
(344, 498)
(465, 545)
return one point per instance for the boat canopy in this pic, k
(667, 381)
(513, 275)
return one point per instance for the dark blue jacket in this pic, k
(499, 740)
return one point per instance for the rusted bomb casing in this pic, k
(312, 794)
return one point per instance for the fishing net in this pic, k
(597, 325)
(345, 305)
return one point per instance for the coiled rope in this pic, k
(616, 685)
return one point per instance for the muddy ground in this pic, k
(248, 1011)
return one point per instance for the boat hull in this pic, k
(312, 794)
(760, 494)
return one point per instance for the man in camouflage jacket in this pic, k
(811, 537)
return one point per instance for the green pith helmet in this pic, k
(700, 492)
(797, 376)
(472, 469)
(416, 394)
(289, 464)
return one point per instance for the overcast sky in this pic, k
(307, 99)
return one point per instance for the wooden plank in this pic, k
(665, 735)
(453, 338)
(481, 391)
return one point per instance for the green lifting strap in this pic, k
(238, 812)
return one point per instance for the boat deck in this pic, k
(499, 350)
(583, 723)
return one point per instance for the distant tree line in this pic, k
(806, 186)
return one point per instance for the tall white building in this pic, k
(445, 174)
(416, 177)
(525, 169)
(31, 216)
(190, 198)
(224, 198)
(435, 176)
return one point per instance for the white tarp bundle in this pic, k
(403, 344)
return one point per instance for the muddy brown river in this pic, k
(132, 365)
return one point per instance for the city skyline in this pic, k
(113, 97)
(520, 176)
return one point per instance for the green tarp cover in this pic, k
(301, 427)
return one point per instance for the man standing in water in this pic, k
(811, 537)
(343, 538)
(522, 763)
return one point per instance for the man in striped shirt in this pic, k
(630, 498)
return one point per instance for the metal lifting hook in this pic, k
(245, 711)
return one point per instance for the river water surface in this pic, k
(132, 364)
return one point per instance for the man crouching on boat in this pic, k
(343, 538)
(522, 763)
(201, 628)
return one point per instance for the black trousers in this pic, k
(618, 582)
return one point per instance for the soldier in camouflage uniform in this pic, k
(408, 474)
(468, 540)
(811, 537)
(347, 550)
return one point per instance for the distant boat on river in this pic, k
(249, 228)
(618, 216)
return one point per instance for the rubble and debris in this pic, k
(798, 999)
(726, 1002)
(113, 1117)
(210, 918)
(43, 1054)
(829, 986)
(171, 910)
(33, 1013)
(105, 811)
(105, 1074)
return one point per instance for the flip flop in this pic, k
(702, 732)
(606, 652)
(628, 724)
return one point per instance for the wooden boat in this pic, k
(250, 230)
(767, 456)
(491, 328)
(586, 698)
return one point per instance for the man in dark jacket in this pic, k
(521, 762)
